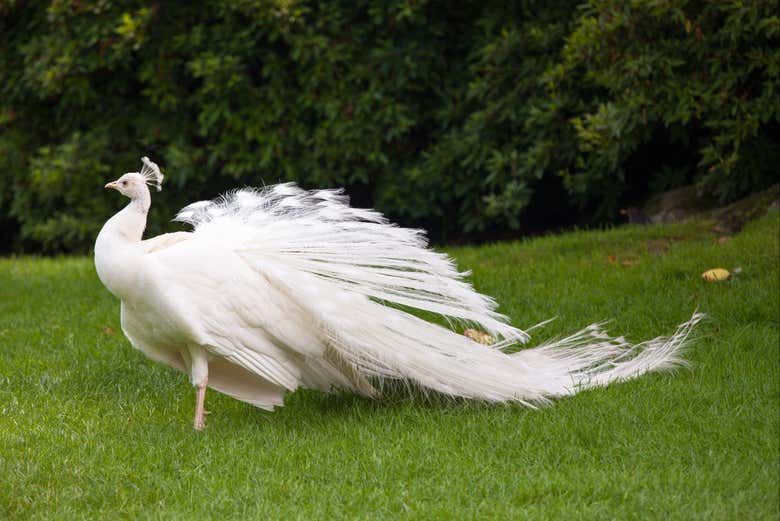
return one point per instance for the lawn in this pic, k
(91, 429)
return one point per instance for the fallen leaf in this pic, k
(108, 330)
(630, 262)
(722, 239)
(611, 259)
(480, 337)
(716, 275)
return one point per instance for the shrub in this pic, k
(703, 75)
(468, 120)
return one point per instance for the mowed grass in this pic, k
(91, 429)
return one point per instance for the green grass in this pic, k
(89, 428)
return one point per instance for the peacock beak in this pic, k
(112, 184)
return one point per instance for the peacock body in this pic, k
(280, 288)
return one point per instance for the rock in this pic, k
(635, 215)
(685, 202)
(678, 205)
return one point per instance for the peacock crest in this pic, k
(151, 172)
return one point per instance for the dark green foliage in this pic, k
(463, 119)
(703, 74)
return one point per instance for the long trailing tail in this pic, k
(355, 275)
(389, 344)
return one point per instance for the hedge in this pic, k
(473, 120)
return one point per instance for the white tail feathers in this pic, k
(354, 274)
(350, 249)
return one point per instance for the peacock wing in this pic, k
(206, 294)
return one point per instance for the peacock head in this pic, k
(133, 184)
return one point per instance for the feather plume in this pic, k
(350, 249)
(353, 275)
(151, 172)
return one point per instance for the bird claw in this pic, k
(200, 425)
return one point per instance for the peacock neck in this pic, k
(141, 203)
(127, 226)
(132, 218)
(118, 250)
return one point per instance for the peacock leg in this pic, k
(200, 412)
(199, 376)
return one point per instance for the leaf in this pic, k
(716, 275)
(480, 337)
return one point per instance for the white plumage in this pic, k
(281, 288)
